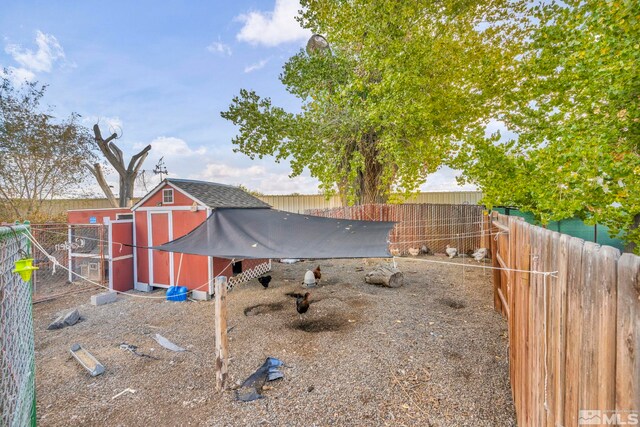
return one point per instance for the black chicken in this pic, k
(264, 281)
(302, 301)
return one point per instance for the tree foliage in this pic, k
(40, 157)
(402, 84)
(575, 109)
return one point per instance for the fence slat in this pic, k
(497, 304)
(628, 334)
(557, 328)
(523, 262)
(573, 356)
(598, 330)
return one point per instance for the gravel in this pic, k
(432, 352)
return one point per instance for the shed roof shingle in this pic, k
(216, 195)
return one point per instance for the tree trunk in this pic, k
(370, 184)
(115, 157)
(631, 247)
(97, 172)
(385, 276)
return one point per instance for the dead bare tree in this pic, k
(127, 174)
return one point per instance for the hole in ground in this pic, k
(455, 304)
(327, 324)
(255, 310)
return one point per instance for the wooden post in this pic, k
(222, 343)
(497, 304)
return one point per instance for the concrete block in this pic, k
(103, 298)
(200, 295)
(142, 287)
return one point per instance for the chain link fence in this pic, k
(17, 354)
(81, 248)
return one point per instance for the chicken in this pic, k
(451, 252)
(414, 251)
(302, 301)
(395, 252)
(264, 281)
(425, 250)
(317, 274)
(479, 254)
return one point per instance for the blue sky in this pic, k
(162, 71)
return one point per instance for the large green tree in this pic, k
(576, 111)
(401, 84)
(40, 157)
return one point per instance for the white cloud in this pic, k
(445, 180)
(219, 47)
(42, 60)
(107, 124)
(256, 66)
(273, 28)
(259, 178)
(18, 75)
(170, 146)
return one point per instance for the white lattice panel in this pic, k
(249, 274)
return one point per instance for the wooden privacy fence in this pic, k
(434, 226)
(573, 314)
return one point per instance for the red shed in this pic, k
(173, 209)
(97, 246)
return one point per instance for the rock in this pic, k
(72, 317)
(69, 319)
(57, 324)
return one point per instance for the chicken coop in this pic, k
(92, 251)
(173, 209)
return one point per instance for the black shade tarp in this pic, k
(268, 233)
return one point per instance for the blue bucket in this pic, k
(177, 293)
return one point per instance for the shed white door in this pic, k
(162, 263)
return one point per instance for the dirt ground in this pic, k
(431, 353)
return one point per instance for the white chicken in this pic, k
(414, 251)
(395, 252)
(451, 252)
(479, 254)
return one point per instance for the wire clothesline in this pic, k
(463, 264)
(56, 263)
(463, 235)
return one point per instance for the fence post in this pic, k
(497, 304)
(222, 343)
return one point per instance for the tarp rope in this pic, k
(55, 261)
